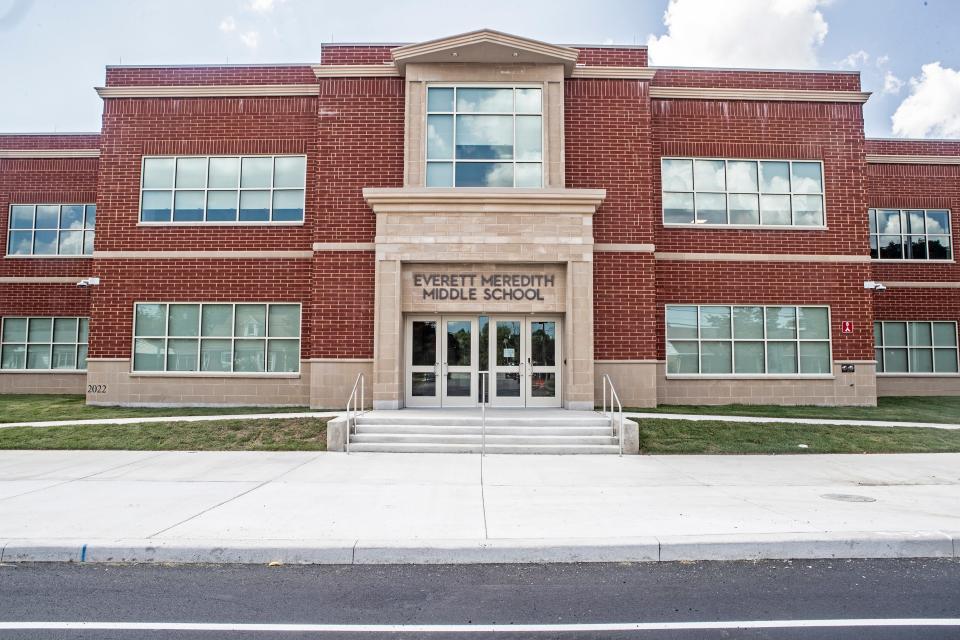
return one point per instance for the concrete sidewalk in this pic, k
(392, 508)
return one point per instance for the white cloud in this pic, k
(891, 83)
(740, 33)
(854, 60)
(250, 38)
(263, 6)
(933, 107)
(228, 24)
(882, 60)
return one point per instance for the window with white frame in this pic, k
(910, 234)
(44, 343)
(223, 189)
(748, 340)
(766, 193)
(217, 337)
(915, 347)
(484, 137)
(51, 229)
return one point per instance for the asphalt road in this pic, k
(764, 599)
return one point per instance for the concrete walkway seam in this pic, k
(917, 544)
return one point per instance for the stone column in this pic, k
(578, 350)
(388, 338)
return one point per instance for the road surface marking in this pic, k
(479, 628)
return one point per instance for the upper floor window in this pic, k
(44, 343)
(915, 347)
(765, 193)
(484, 137)
(910, 234)
(51, 229)
(216, 337)
(223, 189)
(750, 340)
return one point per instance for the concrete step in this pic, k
(448, 420)
(523, 430)
(422, 438)
(423, 447)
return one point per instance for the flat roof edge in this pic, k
(49, 133)
(834, 71)
(872, 139)
(210, 65)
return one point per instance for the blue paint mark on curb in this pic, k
(83, 554)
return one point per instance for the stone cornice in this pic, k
(615, 73)
(922, 285)
(209, 91)
(484, 200)
(763, 95)
(388, 70)
(49, 153)
(759, 257)
(40, 279)
(876, 158)
(477, 46)
(203, 255)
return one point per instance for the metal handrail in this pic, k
(614, 398)
(352, 409)
(483, 412)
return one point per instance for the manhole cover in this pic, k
(848, 497)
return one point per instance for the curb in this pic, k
(912, 544)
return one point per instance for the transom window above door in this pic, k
(484, 137)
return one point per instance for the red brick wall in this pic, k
(50, 141)
(832, 133)
(18, 299)
(360, 139)
(39, 181)
(748, 79)
(209, 75)
(124, 282)
(337, 54)
(343, 299)
(608, 138)
(918, 304)
(355, 54)
(613, 56)
(624, 304)
(133, 128)
(904, 186)
(837, 285)
(914, 147)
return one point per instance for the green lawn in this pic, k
(945, 409)
(37, 407)
(709, 437)
(301, 434)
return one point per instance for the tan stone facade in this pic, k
(634, 380)
(544, 231)
(918, 385)
(110, 382)
(843, 389)
(43, 382)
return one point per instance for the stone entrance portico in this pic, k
(535, 231)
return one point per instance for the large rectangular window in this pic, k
(51, 229)
(44, 343)
(217, 337)
(484, 137)
(910, 234)
(748, 340)
(915, 347)
(764, 193)
(223, 189)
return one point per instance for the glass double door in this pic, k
(445, 355)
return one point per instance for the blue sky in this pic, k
(52, 52)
